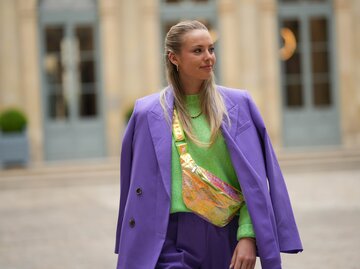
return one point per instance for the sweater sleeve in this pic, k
(245, 225)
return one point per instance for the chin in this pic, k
(206, 77)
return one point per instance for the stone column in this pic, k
(132, 50)
(270, 89)
(10, 75)
(229, 38)
(111, 55)
(356, 70)
(249, 48)
(345, 43)
(152, 54)
(249, 51)
(29, 73)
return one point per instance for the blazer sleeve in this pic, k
(125, 172)
(289, 239)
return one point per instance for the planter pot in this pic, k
(14, 149)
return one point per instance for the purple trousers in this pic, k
(194, 243)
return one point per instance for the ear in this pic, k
(173, 58)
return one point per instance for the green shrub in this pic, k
(128, 114)
(12, 120)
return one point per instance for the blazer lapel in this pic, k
(233, 111)
(161, 135)
(242, 166)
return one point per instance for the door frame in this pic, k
(87, 15)
(303, 11)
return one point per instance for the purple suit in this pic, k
(146, 182)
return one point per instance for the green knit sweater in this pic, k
(216, 159)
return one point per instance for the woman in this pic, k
(225, 136)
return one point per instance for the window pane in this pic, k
(292, 65)
(85, 37)
(87, 104)
(294, 97)
(290, 47)
(58, 107)
(87, 101)
(318, 30)
(87, 71)
(87, 96)
(53, 37)
(319, 43)
(53, 68)
(320, 62)
(294, 26)
(292, 56)
(322, 95)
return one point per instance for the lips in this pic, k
(206, 67)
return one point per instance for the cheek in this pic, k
(214, 58)
(188, 60)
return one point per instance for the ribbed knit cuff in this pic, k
(245, 230)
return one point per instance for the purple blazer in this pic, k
(146, 182)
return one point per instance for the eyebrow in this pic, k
(210, 45)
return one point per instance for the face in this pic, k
(196, 58)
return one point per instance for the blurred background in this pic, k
(70, 71)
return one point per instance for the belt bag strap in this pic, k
(204, 193)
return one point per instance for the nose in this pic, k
(209, 56)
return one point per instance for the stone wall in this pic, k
(131, 61)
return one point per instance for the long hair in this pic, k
(211, 101)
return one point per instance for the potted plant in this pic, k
(14, 146)
(128, 113)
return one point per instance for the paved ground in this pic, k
(68, 220)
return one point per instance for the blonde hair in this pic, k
(211, 101)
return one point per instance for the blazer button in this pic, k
(132, 223)
(138, 191)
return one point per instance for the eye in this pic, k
(211, 50)
(198, 50)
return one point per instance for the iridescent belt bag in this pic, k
(203, 193)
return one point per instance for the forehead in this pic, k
(197, 37)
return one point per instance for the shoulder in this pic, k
(146, 103)
(233, 95)
(233, 92)
(140, 110)
(152, 105)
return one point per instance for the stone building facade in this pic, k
(76, 67)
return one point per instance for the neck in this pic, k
(194, 91)
(191, 87)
